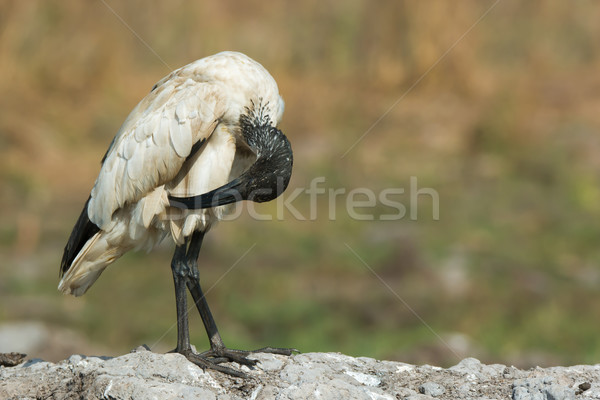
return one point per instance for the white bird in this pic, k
(206, 136)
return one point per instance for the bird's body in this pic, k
(205, 135)
(151, 158)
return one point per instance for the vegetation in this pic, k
(502, 122)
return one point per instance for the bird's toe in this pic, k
(212, 363)
(230, 355)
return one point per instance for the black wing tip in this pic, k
(195, 147)
(83, 230)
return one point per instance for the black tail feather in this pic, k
(83, 230)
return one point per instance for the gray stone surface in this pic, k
(432, 389)
(146, 375)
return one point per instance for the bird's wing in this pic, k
(156, 138)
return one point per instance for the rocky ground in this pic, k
(146, 375)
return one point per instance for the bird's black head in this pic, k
(265, 180)
(269, 176)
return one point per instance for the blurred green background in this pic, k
(505, 128)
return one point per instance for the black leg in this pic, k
(193, 285)
(178, 268)
(185, 273)
(183, 266)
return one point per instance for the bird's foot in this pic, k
(205, 363)
(213, 358)
(223, 354)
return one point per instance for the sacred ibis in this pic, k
(205, 136)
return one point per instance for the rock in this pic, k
(146, 375)
(11, 359)
(419, 397)
(582, 387)
(541, 388)
(432, 389)
(559, 392)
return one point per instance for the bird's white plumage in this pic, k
(149, 159)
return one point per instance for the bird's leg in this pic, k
(193, 284)
(218, 352)
(185, 273)
(180, 266)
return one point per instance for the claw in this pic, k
(211, 359)
(206, 363)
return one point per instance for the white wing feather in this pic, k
(134, 166)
